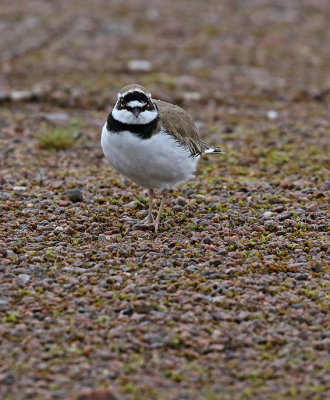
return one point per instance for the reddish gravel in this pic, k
(230, 300)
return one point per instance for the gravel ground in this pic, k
(230, 300)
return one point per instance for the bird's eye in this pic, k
(122, 105)
(148, 105)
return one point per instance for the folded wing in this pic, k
(181, 126)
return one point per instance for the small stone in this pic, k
(192, 268)
(139, 65)
(18, 95)
(272, 114)
(130, 288)
(210, 247)
(267, 214)
(56, 117)
(285, 183)
(100, 394)
(74, 195)
(279, 208)
(181, 201)
(131, 204)
(4, 96)
(301, 277)
(63, 203)
(192, 96)
(317, 267)
(241, 316)
(70, 230)
(258, 228)
(284, 215)
(3, 252)
(19, 188)
(313, 207)
(24, 278)
(215, 299)
(228, 129)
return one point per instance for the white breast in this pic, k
(155, 163)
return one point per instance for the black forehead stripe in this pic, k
(139, 96)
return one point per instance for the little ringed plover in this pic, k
(153, 143)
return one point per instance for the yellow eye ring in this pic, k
(122, 105)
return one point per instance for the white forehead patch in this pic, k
(136, 103)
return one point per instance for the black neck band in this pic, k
(144, 131)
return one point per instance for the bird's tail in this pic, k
(214, 150)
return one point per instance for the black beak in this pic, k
(136, 111)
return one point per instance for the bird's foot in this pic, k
(156, 225)
(148, 220)
(146, 224)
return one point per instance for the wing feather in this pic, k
(178, 123)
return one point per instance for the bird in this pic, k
(153, 143)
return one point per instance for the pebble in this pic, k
(24, 278)
(326, 335)
(181, 201)
(139, 65)
(97, 394)
(284, 215)
(63, 203)
(19, 95)
(279, 208)
(301, 277)
(313, 207)
(272, 114)
(192, 96)
(74, 195)
(267, 214)
(69, 231)
(131, 204)
(285, 183)
(215, 299)
(56, 117)
(3, 252)
(317, 266)
(258, 228)
(192, 268)
(4, 96)
(243, 315)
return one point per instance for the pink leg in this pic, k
(150, 218)
(161, 207)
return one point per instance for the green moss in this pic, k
(58, 138)
(11, 317)
(175, 376)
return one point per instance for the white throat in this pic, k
(127, 117)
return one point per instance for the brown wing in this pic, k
(181, 126)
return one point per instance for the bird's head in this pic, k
(134, 106)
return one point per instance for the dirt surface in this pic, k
(230, 300)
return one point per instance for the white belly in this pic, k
(155, 163)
